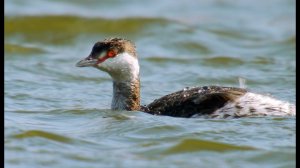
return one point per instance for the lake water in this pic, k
(57, 115)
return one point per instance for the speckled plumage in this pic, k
(206, 101)
(194, 101)
(218, 102)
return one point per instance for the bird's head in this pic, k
(115, 56)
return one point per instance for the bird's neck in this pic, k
(126, 95)
(126, 82)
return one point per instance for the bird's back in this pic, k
(217, 102)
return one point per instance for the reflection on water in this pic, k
(57, 114)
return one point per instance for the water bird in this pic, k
(118, 57)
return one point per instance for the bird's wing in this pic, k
(197, 100)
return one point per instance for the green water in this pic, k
(57, 115)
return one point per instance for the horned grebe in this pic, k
(118, 58)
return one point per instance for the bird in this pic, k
(118, 57)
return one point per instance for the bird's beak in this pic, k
(89, 61)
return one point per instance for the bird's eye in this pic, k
(111, 54)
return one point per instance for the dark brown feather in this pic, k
(118, 45)
(198, 100)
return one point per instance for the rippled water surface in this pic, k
(57, 115)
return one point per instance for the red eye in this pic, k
(111, 54)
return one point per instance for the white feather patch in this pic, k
(123, 67)
(252, 104)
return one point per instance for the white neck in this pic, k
(124, 69)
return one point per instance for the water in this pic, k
(57, 115)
